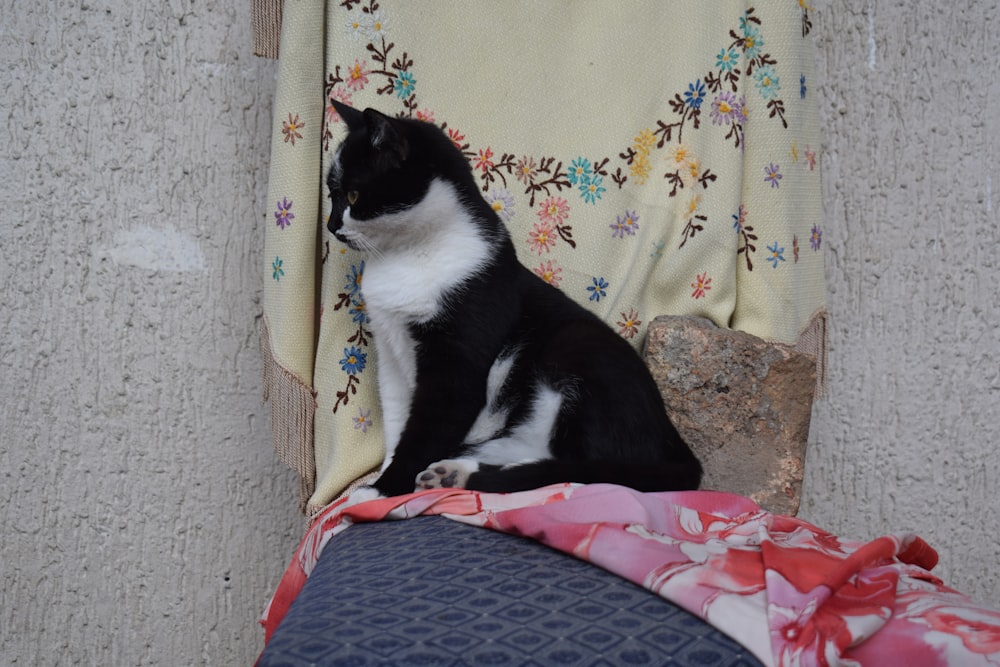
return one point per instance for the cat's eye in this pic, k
(352, 197)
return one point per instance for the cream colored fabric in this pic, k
(648, 158)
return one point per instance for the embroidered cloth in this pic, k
(648, 158)
(788, 591)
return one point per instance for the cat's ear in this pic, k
(386, 138)
(354, 119)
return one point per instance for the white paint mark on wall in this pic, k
(871, 35)
(157, 250)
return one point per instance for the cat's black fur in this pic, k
(547, 351)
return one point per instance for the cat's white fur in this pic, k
(416, 257)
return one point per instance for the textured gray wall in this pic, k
(144, 517)
(908, 437)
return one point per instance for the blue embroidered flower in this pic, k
(358, 312)
(802, 86)
(579, 171)
(592, 190)
(767, 82)
(354, 360)
(777, 255)
(353, 285)
(727, 59)
(403, 85)
(752, 41)
(695, 94)
(276, 269)
(597, 289)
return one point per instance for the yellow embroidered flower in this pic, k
(644, 141)
(640, 169)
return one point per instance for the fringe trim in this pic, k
(293, 407)
(266, 18)
(812, 341)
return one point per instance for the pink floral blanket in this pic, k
(790, 592)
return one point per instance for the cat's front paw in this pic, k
(449, 474)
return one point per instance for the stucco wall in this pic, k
(908, 437)
(145, 519)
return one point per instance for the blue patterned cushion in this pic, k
(431, 591)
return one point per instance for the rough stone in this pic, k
(742, 403)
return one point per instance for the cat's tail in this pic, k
(682, 475)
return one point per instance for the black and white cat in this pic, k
(489, 378)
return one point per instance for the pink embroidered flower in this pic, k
(357, 76)
(701, 285)
(426, 115)
(525, 170)
(553, 211)
(456, 138)
(291, 127)
(542, 238)
(629, 324)
(549, 273)
(485, 160)
(340, 94)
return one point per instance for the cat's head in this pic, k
(385, 168)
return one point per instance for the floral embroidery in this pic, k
(727, 59)
(701, 284)
(284, 215)
(485, 161)
(694, 219)
(640, 165)
(524, 170)
(276, 270)
(579, 171)
(291, 127)
(811, 158)
(815, 238)
(725, 108)
(773, 174)
(795, 248)
(426, 115)
(457, 138)
(746, 236)
(625, 225)
(541, 238)
(695, 94)
(403, 85)
(357, 76)
(592, 190)
(768, 83)
(597, 289)
(354, 360)
(553, 212)
(802, 86)
(628, 326)
(658, 249)
(502, 203)
(363, 420)
(550, 273)
(777, 255)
